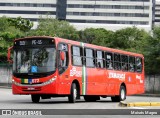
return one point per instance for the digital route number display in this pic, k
(33, 42)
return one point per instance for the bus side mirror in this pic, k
(62, 55)
(9, 55)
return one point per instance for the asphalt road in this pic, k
(10, 101)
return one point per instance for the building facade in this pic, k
(108, 14)
(29, 9)
(157, 13)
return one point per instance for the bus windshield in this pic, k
(34, 60)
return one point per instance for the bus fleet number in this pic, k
(35, 81)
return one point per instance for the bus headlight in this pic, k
(16, 83)
(49, 81)
(44, 83)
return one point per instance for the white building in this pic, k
(29, 9)
(157, 13)
(108, 14)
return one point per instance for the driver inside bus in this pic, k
(24, 68)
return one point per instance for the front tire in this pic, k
(35, 98)
(121, 96)
(73, 95)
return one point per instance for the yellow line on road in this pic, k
(137, 104)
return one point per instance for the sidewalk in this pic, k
(2, 85)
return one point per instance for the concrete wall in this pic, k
(152, 82)
(5, 75)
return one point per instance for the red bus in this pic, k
(46, 67)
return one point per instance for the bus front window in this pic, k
(34, 60)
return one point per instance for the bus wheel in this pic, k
(72, 97)
(35, 98)
(121, 96)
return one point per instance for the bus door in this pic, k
(100, 72)
(88, 73)
(94, 71)
(63, 61)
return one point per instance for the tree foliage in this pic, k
(54, 27)
(97, 36)
(4, 24)
(8, 33)
(152, 53)
(21, 24)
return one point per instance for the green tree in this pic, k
(7, 34)
(52, 27)
(21, 23)
(87, 35)
(128, 38)
(6, 40)
(97, 36)
(4, 24)
(103, 37)
(152, 53)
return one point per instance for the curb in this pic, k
(138, 104)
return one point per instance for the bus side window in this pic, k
(77, 56)
(117, 62)
(100, 59)
(124, 59)
(89, 57)
(132, 64)
(109, 60)
(63, 64)
(139, 64)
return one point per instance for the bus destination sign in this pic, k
(33, 42)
